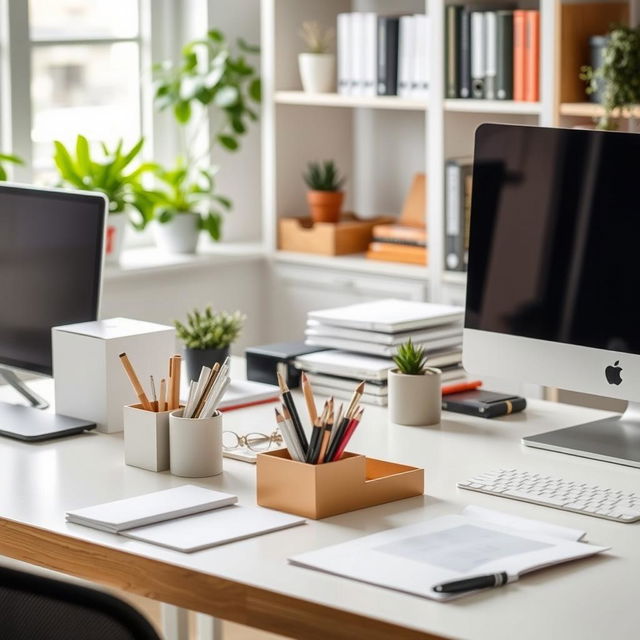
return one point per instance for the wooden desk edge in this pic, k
(219, 597)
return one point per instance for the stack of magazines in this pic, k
(362, 339)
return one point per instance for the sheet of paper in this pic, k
(204, 530)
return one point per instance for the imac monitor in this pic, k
(553, 289)
(51, 254)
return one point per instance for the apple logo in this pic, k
(612, 373)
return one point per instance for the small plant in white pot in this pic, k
(207, 336)
(317, 65)
(415, 394)
(184, 203)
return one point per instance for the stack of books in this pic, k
(492, 55)
(383, 55)
(361, 340)
(407, 240)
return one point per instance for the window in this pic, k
(82, 73)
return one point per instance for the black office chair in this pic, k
(36, 608)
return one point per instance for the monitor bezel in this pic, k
(63, 195)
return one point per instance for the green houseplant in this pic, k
(207, 336)
(185, 202)
(325, 194)
(618, 76)
(7, 158)
(317, 65)
(212, 93)
(110, 173)
(415, 395)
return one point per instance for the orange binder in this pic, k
(519, 52)
(532, 56)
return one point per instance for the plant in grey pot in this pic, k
(415, 394)
(206, 336)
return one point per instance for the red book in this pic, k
(519, 54)
(532, 56)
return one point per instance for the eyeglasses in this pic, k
(254, 441)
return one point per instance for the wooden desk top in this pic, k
(251, 582)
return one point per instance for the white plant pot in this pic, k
(195, 445)
(415, 400)
(179, 235)
(317, 72)
(114, 237)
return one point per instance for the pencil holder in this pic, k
(321, 490)
(146, 438)
(195, 445)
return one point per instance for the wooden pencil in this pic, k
(162, 395)
(135, 383)
(175, 396)
(344, 423)
(309, 399)
(207, 387)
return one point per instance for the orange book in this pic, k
(532, 56)
(397, 253)
(400, 232)
(519, 54)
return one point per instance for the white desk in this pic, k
(251, 582)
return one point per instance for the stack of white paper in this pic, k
(186, 518)
(150, 508)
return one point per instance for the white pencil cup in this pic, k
(195, 445)
(146, 438)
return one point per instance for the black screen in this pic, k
(50, 263)
(554, 248)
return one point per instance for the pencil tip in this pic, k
(122, 355)
(360, 387)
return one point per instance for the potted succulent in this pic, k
(415, 395)
(111, 174)
(183, 205)
(617, 80)
(211, 91)
(325, 194)
(206, 336)
(317, 65)
(7, 158)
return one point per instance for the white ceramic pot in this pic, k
(114, 237)
(317, 72)
(195, 445)
(415, 400)
(179, 235)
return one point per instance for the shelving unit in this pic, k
(379, 142)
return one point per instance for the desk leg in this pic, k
(175, 623)
(208, 628)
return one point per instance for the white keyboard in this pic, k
(580, 497)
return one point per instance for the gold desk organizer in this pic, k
(321, 490)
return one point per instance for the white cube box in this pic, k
(90, 381)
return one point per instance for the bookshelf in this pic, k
(380, 142)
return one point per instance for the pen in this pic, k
(471, 584)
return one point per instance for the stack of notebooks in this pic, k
(407, 240)
(492, 55)
(186, 518)
(361, 340)
(383, 55)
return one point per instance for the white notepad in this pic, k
(415, 558)
(213, 528)
(389, 316)
(150, 508)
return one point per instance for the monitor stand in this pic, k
(32, 423)
(614, 439)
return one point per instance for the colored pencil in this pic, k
(344, 423)
(287, 399)
(353, 425)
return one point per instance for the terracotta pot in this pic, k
(325, 206)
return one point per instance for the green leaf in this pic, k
(63, 161)
(212, 224)
(243, 45)
(182, 112)
(225, 202)
(215, 35)
(228, 142)
(3, 174)
(255, 90)
(83, 156)
(9, 157)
